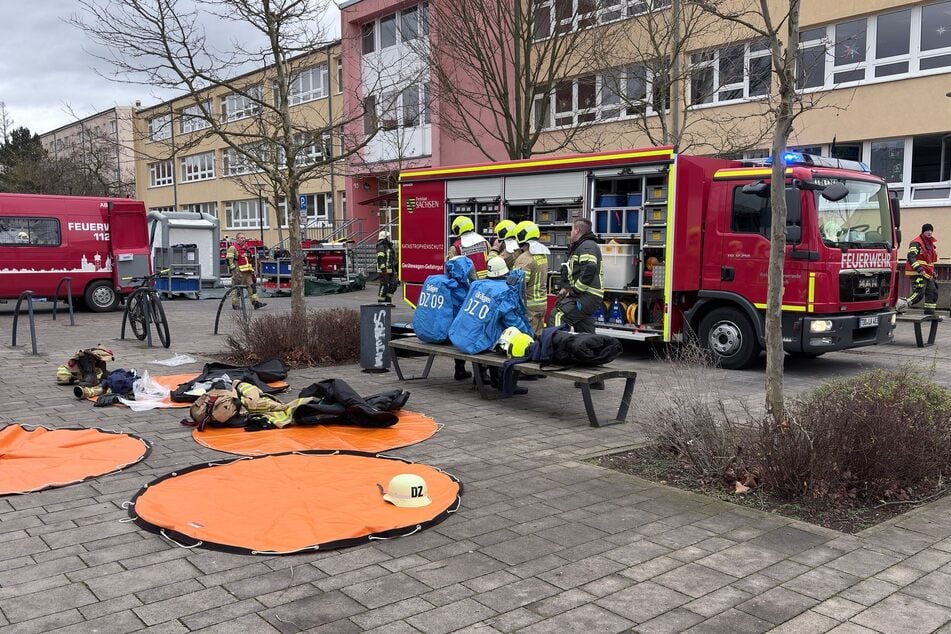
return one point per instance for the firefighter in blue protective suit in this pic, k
(492, 305)
(440, 300)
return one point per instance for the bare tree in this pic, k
(164, 44)
(6, 122)
(494, 65)
(781, 31)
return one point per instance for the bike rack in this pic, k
(147, 309)
(28, 295)
(243, 292)
(69, 298)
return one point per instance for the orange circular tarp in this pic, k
(172, 381)
(41, 458)
(412, 428)
(289, 503)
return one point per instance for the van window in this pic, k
(29, 232)
(752, 213)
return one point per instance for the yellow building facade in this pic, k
(181, 165)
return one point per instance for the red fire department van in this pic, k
(94, 241)
(685, 242)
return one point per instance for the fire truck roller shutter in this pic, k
(466, 188)
(553, 186)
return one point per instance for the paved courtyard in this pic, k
(543, 542)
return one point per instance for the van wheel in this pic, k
(728, 334)
(101, 297)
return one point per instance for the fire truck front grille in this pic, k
(859, 287)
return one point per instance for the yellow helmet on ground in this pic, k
(505, 229)
(407, 490)
(462, 224)
(525, 231)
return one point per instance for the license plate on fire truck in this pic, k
(868, 322)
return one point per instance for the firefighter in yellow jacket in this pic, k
(241, 264)
(533, 259)
(505, 245)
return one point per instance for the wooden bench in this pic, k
(583, 376)
(917, 320)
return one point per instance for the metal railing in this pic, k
(28, 295)
(244, 292)
(69, 298)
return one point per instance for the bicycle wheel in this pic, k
(160, 321)
(136, 313)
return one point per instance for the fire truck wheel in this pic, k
(101, 296)
(728, 334)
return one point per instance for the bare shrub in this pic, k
(692, 421)
(322, 337)
(882, 435)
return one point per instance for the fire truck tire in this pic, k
(728, 334)
(101, 296)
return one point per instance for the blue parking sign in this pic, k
(303, 202)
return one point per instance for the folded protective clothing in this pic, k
(440, 299)
(86, 367)
(119, 381)
(336, 403)
(258, 375)
(491, 306)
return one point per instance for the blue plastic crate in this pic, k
(611, 200)
(178, 284)
(271, 268)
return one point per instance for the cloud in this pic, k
(48, 77)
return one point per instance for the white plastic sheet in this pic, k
(147, 394)
(178, 359)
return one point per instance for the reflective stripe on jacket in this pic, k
(536, 278)
(922, 257)
(585, 269)
(240, 256)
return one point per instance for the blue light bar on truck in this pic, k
(813, 160)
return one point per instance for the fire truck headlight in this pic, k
(820, 325)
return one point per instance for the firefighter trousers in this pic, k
(244, 278)
(385, 293)
(923, 287)
(577, 312)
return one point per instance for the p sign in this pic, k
(303, 202)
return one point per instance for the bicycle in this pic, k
(143, 307)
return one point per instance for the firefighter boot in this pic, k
(461, 373)
(258, 304)
(89, 376)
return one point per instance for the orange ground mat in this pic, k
(32, 459)
(172, 381)
(289, 503)
(412, 428)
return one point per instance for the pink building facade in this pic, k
(387, 95)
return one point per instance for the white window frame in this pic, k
(603, 12)
(422, 28)
(602, 110)
(234, 163)
(237, 106)
(198, 167)
(160, 127)
(161, 174)
(309, 85)
(711, 60)
(339, 76)
(192, 119)
(311, 216)
(244, 214)
(204, 208)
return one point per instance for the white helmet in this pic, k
(407, 490)
(384, 235)
(496, 267)
(22, 237)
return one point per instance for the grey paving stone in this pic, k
(903, 614)
(821, 583)
(450, 617)
(46, 623)
(901, 575)
(392, 612)
(581, 572)
(311, 611)
(514, 620)
(673, 622)
(117, 623)
(934, 587)
(839, 608)
(350, 560)
(185, 605)
(637, 552)
(336, 582)
(249, 623)
(863, 562)
(249, 587)
(928, 559)
(694, 580)
(741, 560)
(869, 591)
(777, 605)
(732, 621)
(40, 570)
(141, 579)
(789, 540)
(806, 623)
(900, 539)
(521, 549)
(516, 595)
(32, 606)
(111, 606)
(718, 601)
(447, 594)
(643, 602)
(455, 570)
(385, 590)
(491, 581)
(851, 628)
(169, 591)
(650, 569)
(585, 618)
(784, 570)
(561, 602)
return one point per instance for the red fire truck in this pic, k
(685, 242)
(94, 241)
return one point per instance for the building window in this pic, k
(369, 115)
(162, 210)
(409, 24)
(388, 31)
(731, 73)
(339, 75)
(160, 127)
(311, 147)
(210, 209)
(562, 16)
(25, 232)
(161, 174)
(238, 106)
(404, 26)
(198, 167)
(309, 85)
(368, 37)
(193, 118)
(887, 159)
(614, 93)
(316, 214)
(246, 214)
(235, 163)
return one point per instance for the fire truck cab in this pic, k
(685, 242)
(99, 243)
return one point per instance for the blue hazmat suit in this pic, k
(440, 299)
(491, 306)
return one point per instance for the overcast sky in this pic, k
(48, 78)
